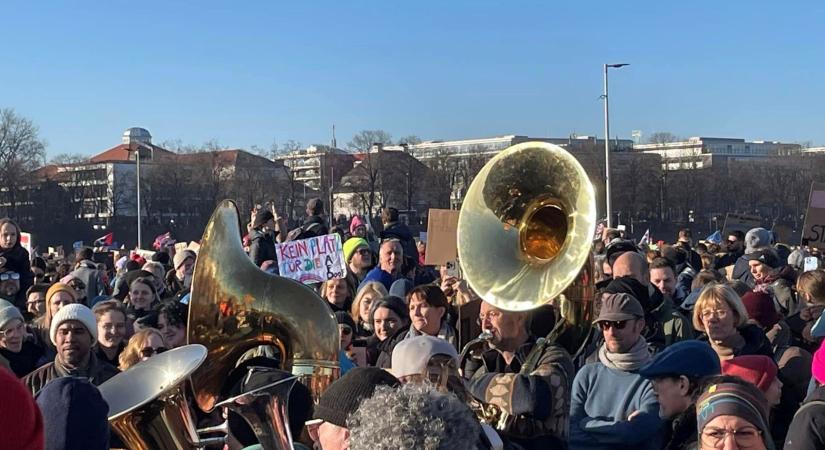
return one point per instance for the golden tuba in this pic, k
(147, 405)
(525, 234)
(235, 307)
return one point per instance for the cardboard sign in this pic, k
(442, 226)
(26, 241)
(312, 260)
(194, 246)
(740, 222)
(180, 246)
(813, 234)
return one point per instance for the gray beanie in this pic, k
(9, 313)
(757, 239)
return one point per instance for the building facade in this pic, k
(700, 152)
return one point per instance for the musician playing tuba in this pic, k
(527, 383)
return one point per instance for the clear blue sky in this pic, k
(246, 73)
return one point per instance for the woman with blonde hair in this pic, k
(360, 310)
(142, 345)
(722, 318)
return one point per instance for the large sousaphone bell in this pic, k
(525, 235)
(235, 307)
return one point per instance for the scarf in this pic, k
(626, 362)
(727, 348)
(446, 332)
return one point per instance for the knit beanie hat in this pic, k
(22, 423)
(263, 216)
(78, 312)
(818, 365)
(182, 256)
(9, 313)
(58, 287)
(343, 318)
(631, 286)
(344, 396)
(731, 399)
(757, 238)
(356, 222)
(759, 370)
(75, 415)
(761, 309)
(352, 245)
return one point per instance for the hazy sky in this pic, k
(249, 72)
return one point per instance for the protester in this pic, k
(807, 430)
(732, 412)
(528, 380)
(679, 262)
(810, 289)
(395, 229)
(158, 272)
(111, 330)
(685, 242)
(720, 315)
(142, 298)
(358, 257)
(142, 345)
(314, 224)
(428, 314)
(357, 228)
(73, 332)
(262, 238)
(676, 374)
(390, 259)
(172, 319)
(179, 279)
(16, 257)
(9, 283)
(337, 293)
(734, 248)
(755, 240)
(770, 276)
(22, 422)
(86, 271)
(346, 328)
(75, 415)
(361, 306)
(58, 296)
(758, 370)
(36, 300)
(390, 322)
(611, 404)
(329, 429)
(16, 347)
(420, 417)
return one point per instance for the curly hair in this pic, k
(414, 416)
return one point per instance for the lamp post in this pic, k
(136, 149)
(607, 140)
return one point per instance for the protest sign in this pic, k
(312, 260)
(442, 225)
(26, 241)
(740, 222)
(813, 234)
(180, 246)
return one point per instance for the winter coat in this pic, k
(682, 434)
(74, 416)
(537, 401)
(742, 272)
(385, 347)
(261, 247)
(313, 226)
(807, 430)
(24, 361)
(97, 372)
(87, 272)
(17, 260)
(676, 326)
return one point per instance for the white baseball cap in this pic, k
(411, 356)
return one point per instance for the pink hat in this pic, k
(818, 365)
(356, 222)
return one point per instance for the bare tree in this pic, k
(21, 151)
(662, 137)
(409, 140)
(362, 141)
(68, 158)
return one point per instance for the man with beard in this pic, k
(73, 332)
(612, 407)
(528, 381)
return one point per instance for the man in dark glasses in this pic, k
(612, 406)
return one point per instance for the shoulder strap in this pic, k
(810, 403)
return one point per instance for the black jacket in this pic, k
(261, 247)
(24, 361)
(682, 434)
(386, 347)
(807, 431)
(17, 260)
(742, 272)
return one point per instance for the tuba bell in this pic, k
(235, 307)
(147, 406)
(524, 236)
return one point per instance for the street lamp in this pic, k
(607, 139)
(136, 149)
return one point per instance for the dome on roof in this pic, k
(137, 134)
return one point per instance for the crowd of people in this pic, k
(692, 345)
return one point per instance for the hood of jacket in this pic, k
(75, 415)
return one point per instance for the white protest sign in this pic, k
(312, 260)
(813, 234)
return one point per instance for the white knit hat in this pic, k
(8, 312)
(78, 312)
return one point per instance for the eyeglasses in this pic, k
(746, 437)
(149, 351)
(6, 276)
(346, 331)
(615, 324)
(12, 331)
(719, 313)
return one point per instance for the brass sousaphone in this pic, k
(525, 235)
(235, 307)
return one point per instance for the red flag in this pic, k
(105, 240)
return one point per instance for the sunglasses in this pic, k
(149, 351)
(346, 331)
(6, 276)
(615, 324)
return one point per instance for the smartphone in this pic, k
(453, 270)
